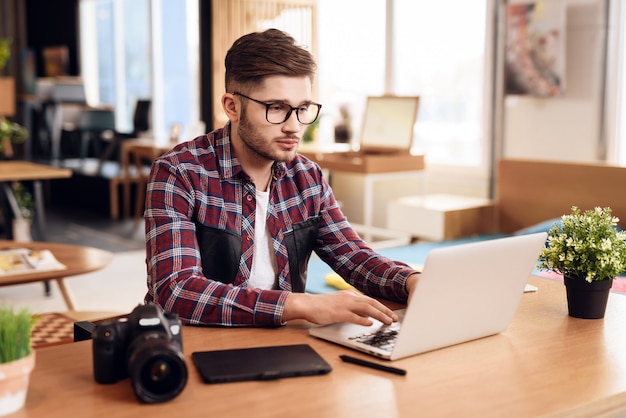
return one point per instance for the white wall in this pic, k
(568, 127)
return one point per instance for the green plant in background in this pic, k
(5, 52)
(586, 245)
(11, 133)
(14, 131)
(15, 334)
(309, 133)
(24, 200)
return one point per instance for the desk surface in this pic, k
(545, 363)
(338, 157)
(17, 170)
(77, 259)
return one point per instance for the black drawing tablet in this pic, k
(259, 363)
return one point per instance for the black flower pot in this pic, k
(587, 300)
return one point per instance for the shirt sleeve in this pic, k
(347, 254)
(175, 279)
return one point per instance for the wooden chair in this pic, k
(93, 124)
(141, 157)
(141, 124)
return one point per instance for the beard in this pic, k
(258, 145)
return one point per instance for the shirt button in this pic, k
(248, 238)
(249, 198)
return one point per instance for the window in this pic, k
(351, 60)
(438, 53)
(440, 57)
(142, 49)
(436, 50)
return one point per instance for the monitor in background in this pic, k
(68, 92)
(388, 123)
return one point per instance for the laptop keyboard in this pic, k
(384, 338)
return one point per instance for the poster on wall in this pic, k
(535, 48)
(56, 60)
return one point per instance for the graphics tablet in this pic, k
(259, 363)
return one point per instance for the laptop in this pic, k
(388, 124)
(465, 292)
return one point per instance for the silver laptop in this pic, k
(465, 292)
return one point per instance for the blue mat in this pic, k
(410, 254)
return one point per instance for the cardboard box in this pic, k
(442, 217)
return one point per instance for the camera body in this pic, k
(147, 347)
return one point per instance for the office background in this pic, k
(581, 124)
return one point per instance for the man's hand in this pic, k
(341, 306)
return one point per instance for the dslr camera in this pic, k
(147, 347)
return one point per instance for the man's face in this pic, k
(275, 142)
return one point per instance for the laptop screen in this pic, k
(388, 123)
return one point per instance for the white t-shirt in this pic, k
(264, 269)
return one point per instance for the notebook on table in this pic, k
(465, 292)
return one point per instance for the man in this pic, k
(233, 216)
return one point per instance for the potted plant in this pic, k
(10, 133)
(17, 358)
(589, 251)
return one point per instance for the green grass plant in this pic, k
(15, 334)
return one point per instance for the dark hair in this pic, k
(258, 55)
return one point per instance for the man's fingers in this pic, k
(371, 308)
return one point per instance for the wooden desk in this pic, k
(18, 170)
(77, 259)
(11, 171)
(545, 363)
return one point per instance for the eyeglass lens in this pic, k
(280, 112)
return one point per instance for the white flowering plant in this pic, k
(586, 245)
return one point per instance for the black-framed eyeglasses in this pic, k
(278, 112)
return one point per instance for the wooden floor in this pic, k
(81, 226)
(78, 209)
(98, 291)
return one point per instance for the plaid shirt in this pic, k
(202, 181)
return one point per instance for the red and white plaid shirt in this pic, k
(202, 181)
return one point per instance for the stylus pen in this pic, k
(377, 366)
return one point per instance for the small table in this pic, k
(17, 170)
(77, 259)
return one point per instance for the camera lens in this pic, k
(157, 370)
(160, 375)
